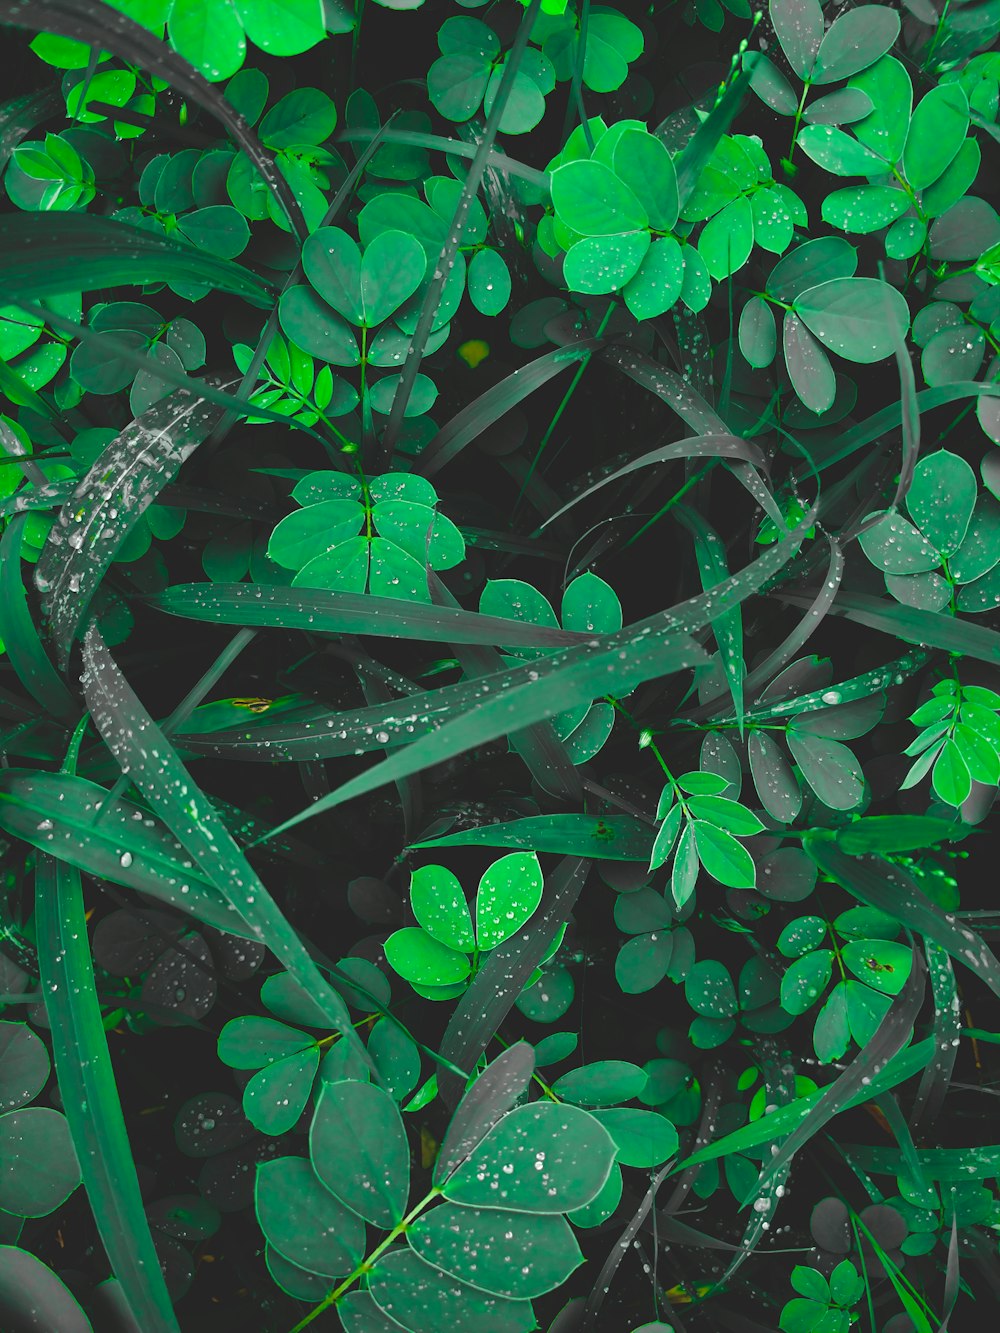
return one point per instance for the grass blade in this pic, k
(89, 1094)
(49, 254)
(933, 629)
(20, 116)
(58, 814)
(936, 1078)
(147, 756)
(20, 637)
(106, 505)
(727, 626)
(320, 612)
(610, 838)
(108, 29)
(500, 980)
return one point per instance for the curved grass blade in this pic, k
(20, 637)
(610, 838)
(727, 626)
(701, 145)
(490, 406)
(936, 1078)
(58, 814)
(931, 628)
(108, 29)
(106, 505)
(500, 980)
(147, 756)
(376, 693)
(89, 1094)
(48, 254)
(497, 161)
(878, 883)
(492, 1094)
(858, 687)
(722, 445)
(320, 612)
(618, 1252)
(890, 1038)
(909, 410)
(432, 299)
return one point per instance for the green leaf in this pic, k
(937, 131)
(722, 856)
(590, 198)
(601, 264)
(276, 1096)
(331, 260)
(854, 41)
(709, 989)
(642, 161)
(423, 960)
(770, 84)
(89, 1095)
(829, 767)
(862, 319)
(24, 1066)
(656, 287)
(726, 814)
(642, 1138)
(805, 980)
(426, 1299)
(489, 282)
(815, 261)
(666, 838)
(757, 333)
(834, 150)
(303, 1221)
(392, 268)
(314, 327)
(509, 893)
(885, 129)
(575, 1152)
(642, 962)
(941, 499)
(440, 906)
(774, 780)
(840, 108)
(798, 26)
(865, 208)
(603, 1083)
(253, 1043)
(879, 963)
(41, 1169)
(305, 116)
(897, 547)
(950, 779)
(358, 1149)
(520, 1255)
(282, 27)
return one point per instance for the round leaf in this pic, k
(509, 892)
(438, 902)
(302, 1220)
(358, 1149)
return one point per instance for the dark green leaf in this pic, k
(358, 1149)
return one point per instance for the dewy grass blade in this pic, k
(89, 1094)
(20, 637)
(109, 501)
(107, 29)
(727, 626)
(500, 162)
(608, 838)
(320, 612)
(20, 116)
(50, 254)
(416, 345)
(58, 814)
(147, 756)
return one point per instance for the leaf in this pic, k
(897, 547)
(439, 904)
(709, 989)
(757, 333)
(865, 208)
(89, 1095)
(770, 84)
(489, 282)
(840, 108)
(808, 365)
(941, 499)
(40, 1168)
(18, 632)
(602, 1083)
(108, 503)
(774, 780)
(854, 41)
(613, 838)
(835, 151)
(489, 1097)
(520, 1255)
(937, 131)
(392, 268)
(829, 767)
(656, 286)
(642, 161)
(884, 129)
(423, 960)
(722, 856)
(58, 253)
(303, 1221)
(574, 1150)
(350, 613)
(601, 264)
(860, 318)
(590, 199)
(34, 1299)
(358, 1149)
(134, 739)
(56, 813)
(427, 1300)
(825, 258)
(642, 1138)
(798, 26)
(805, 980)
(881, 964)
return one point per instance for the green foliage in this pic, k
(628, 840)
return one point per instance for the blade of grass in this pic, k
(89, 1094)
(727, 626)
(20, 637)
(496, 161)
(446, 260)
(609, 838)
(147, 756)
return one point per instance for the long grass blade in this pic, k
(147, 756)
(608, 838)
(89, 1094)
(49, 254)
(19, 117)
(107, 504)
(727, 626)
(20, 637)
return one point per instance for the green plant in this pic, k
(562, 879)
